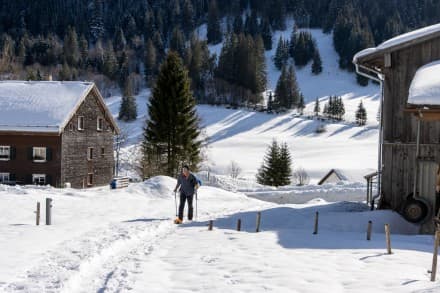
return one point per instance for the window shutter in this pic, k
(13, 153)
(31, 154)
(49, 179)
(28, 179)
(48, 154)
(12, 177)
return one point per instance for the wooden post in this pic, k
(258, 222)
(388, 239)
(211, 222)
(434, 256)
(38, 214)
(369, 228)
(239, 225)
(48, 211)
(315, 231)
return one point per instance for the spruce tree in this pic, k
(268, 172)
(171, 135)
(276, 167)
(301, 104)
(361, 115)
(284, 163)
(71, 48)
(266, 34)
(317, 108)
(281, 54)
(150, 61)
(177, 42)
(214, 33)
(317, 63)
(128, 108)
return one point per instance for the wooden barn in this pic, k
(409, 151)
(55, 133)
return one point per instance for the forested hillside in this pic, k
(122, 42)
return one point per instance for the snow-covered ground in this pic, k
(124, 240)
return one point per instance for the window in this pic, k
(39, 179)
(90, 154)
(80, 123)
(102, 152)
(100, 124)
(90, 179)
(39, 154)
(4, 177)
(5, 153)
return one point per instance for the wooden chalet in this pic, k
(409, 151)
(55, 133)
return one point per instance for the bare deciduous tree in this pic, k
(300, 177)
(234, 169)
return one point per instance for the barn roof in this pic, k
(399, 42)
(42, 106)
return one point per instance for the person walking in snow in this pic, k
(188, 186)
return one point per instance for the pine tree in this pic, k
(317, 63)
(150, 64)
(266, 34)
(110, 64)
(361, 115)
(284, 163)
(281, 54)
(119, 40)
(71, 48)
(214, 33)
(276, 167)
(97, 28)
(128, 108)
(294, 94)
(237, 25)
(268, 172)
(171, 135)
(177, 42)
(301, 104)
(317, 108)
(84, 51)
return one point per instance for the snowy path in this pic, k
(124, 241)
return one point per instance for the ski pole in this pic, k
(196, 205)
(175, 201)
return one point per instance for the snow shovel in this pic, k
(416, 209)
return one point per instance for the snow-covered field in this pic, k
(124, 240)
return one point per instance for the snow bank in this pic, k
(425, 87)
(39, 106)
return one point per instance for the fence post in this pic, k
(370, 226)
(258, 222)
(434, 256)
(48, 211)
(315, 231)
(239, 225)
(38, 214)
(211, 222)
(388, 238)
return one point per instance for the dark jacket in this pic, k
(187, 184)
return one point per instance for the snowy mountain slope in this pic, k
(123, 240)
(243, 136)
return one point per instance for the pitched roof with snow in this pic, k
(400, 41)
(40, 106)
(425, 87)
